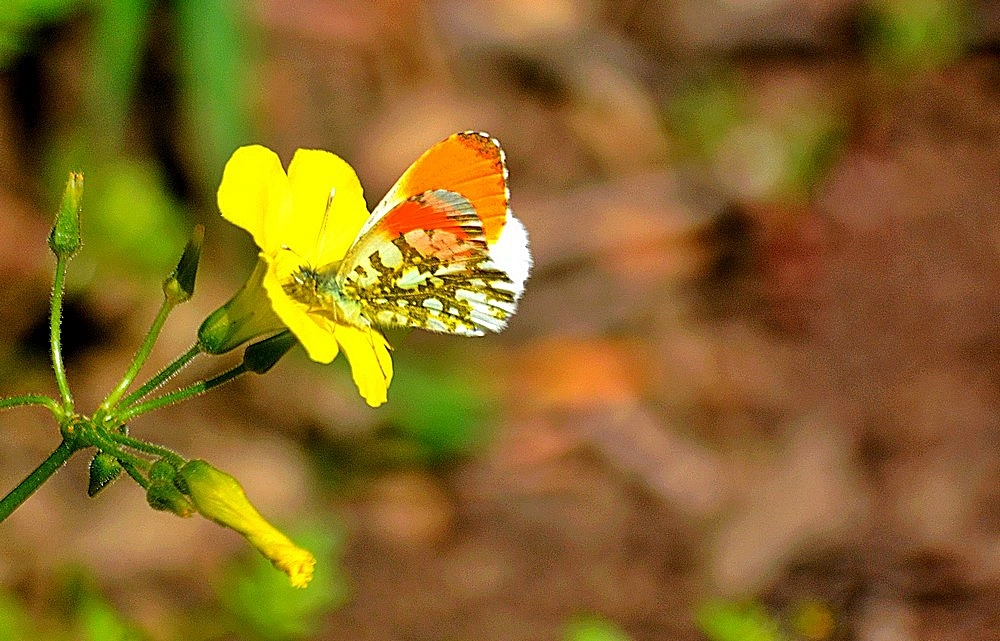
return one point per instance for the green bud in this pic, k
(64, 240)
(161, 469)
(104, 468)
(179, 286)
(262, 356)
(163, 495)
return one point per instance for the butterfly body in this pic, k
(431, 255)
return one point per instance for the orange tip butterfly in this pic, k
(441, 252)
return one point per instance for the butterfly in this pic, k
(442, 250)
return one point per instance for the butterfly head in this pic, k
(317, 290)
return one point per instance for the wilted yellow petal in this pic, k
(219, 497)
(296, 562)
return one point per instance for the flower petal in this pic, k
(314, 332)
(255, 195)
(318, 179)
(368, 353)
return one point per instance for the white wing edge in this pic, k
(511, 254)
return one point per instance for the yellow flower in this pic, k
(220, 497)
(307, 217)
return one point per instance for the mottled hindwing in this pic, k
(425, 263)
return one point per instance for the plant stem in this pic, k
(140, 356)
(145, 447)
(132, 470)
(181, 394)
(55, 333)
(32, 399)
(33, 481)
(179, 363)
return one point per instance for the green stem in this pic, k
(145, 447)
(181, 394)
(140, 356)
(55, 333)
(163, 375)
(133, 470)
(32, 399)
(33, 481)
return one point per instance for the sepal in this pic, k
(104, 468)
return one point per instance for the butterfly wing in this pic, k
(470, 163)
(426, 263)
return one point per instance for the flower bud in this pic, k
(163, 492)
(163, 495)
(261, 357)
(220, 497)
(64, 240)
(179, 286)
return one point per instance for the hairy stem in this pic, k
(140, 356)
(32, 399)
(33, 481)
(181, 394)
(55, 333)
(163, 375)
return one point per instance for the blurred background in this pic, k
(751, 392)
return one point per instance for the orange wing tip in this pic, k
(487, 146)
(511, 254)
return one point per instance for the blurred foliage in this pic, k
(435, 416)
(266, 607)
(255, 603)
(728, 621)
(140, 165)
(443, 411)
(907, 37)
(94, 617)
(593, 628)
(14, 621)
(129, 216)
(213, 65)
(813, 620)
(704, 108)
(20, 19)
(83, 614)
(757, 148)
(99, 621)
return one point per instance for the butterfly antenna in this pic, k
(326, 218)
(371, 341)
